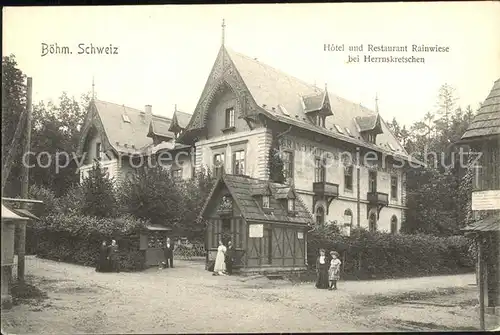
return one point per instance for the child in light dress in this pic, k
(334, 270)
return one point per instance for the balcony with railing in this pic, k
(323, 188)
(378, 198)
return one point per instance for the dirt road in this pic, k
(188, 299)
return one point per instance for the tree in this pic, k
(13, 105)
(99, 198)
(151, 194)
(57, 131)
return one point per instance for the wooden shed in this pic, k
(483, 136)
(267, 223)
(9, 222)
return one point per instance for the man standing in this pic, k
(169, 254)
(229, 258)
(113, 257)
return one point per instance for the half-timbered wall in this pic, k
(280, 246)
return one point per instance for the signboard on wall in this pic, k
(486, 200)
(256, 230)
(300, 235)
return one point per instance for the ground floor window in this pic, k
(320, 216)
(372, 223)
(394, 224)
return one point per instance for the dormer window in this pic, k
(266, 201)
(291, 205)
(321, 121)
(230, 118)
(125, 118)
(371, 137)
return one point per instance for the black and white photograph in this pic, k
(251, 168)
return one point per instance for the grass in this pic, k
(24, 292)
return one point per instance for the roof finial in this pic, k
(175, 108)
(223, 30)
(93, 88)
(376, 102)
(326, 87)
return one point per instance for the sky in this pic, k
(165, 53)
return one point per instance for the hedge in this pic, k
(368, 255)
(76, 239)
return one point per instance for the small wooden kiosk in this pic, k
(9, 222)
(483, 136)
(267, 223)
(153, 240)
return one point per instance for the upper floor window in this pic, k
(230, 117)
(291, 205)
(348, 178)
(394, 187)
(287, 158)
(372, 181)
(265, 201)
(239, 162)
(98, 151)
(319, 170)
(218, 164)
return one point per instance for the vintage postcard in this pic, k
(265, 168)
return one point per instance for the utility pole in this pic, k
(25, 183)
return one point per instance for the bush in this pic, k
(76, 239)
(381, 255)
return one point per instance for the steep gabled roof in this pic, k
(180, 120)
(121, 134)
(486, 123)
(287, 99)
(242, 190)
(125, 128)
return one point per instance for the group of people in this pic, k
(108, 258)
(327, 270)
(224, 259)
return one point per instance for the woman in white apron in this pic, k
(220, 264)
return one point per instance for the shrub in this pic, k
(76, 239)
(382, 255)
(72, 202)
(99, 198)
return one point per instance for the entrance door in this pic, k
(267, 246)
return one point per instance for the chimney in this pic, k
(148, 109)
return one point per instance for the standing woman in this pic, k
(220, 264)
(102, 262)
(334, 271)
(322, 270)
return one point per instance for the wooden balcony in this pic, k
(323, 188)
(225, 211)
(378, 198)
(324, 191)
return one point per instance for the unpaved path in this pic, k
(187, 299)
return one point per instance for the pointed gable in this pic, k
(180, 120)
(262, 89)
